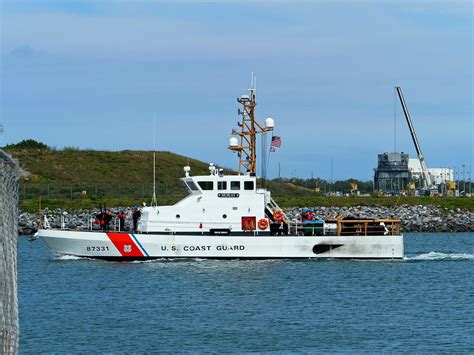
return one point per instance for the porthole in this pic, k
(178, 216)
(224, 216)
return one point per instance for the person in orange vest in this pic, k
(304, 215)
(107, 217)
(310, 216)
(121, 217)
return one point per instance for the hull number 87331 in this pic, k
(97, 248)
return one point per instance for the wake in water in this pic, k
(433, 255)
(71, 257)
(167, 260)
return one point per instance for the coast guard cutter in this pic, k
(229, 216)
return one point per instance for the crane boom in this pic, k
(426, 181)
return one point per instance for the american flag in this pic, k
(276, 141)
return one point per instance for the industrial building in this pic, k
(392, 174)
(396, 172)
(438, 175)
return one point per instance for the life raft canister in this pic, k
(278, 215)
(262, 224)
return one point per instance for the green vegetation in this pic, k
(27, 144)
(32, 205)
(73, 166)
(73, 178)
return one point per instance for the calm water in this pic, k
(424, 303)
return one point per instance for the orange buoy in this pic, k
(262, 224)
(278, 216)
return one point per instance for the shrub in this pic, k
(28, 144)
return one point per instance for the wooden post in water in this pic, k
(9, 324)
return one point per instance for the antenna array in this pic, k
(153, 200)
(249, 128)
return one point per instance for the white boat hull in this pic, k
(123, 246)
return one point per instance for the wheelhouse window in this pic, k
(248, 185)
(222, 185)
(206, 185)
(191, 185)
(235, 185)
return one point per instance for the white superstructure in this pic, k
(216, 203)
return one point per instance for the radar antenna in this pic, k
(246, 147)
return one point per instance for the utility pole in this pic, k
(330, 182)
(454, 179)
(464, 178)
(470, 182)
(456, 174)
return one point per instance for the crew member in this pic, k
(106, 219)
(121, 217)
(304, 215)
(136, 214)
(99, 219)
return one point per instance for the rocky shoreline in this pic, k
(414, 218)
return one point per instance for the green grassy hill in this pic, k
(84, 178)
(89, 166)
(72, 178)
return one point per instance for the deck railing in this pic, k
(363, 227)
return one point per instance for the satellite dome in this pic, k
(269, 123)
(233, 141)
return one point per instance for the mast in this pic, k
(153, 200)
(426, 183)
(249, 128)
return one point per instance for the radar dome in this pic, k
(269, 123)
(233, 142)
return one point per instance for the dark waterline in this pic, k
(423, 304)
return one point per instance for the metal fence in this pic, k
(9, 324)
(99, 190)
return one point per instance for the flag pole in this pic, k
(270, 150)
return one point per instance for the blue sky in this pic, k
(91, 74)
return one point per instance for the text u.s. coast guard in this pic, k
(202, 247)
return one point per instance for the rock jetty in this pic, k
(414, 218)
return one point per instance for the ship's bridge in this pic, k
(216, 202)
(232, 186)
